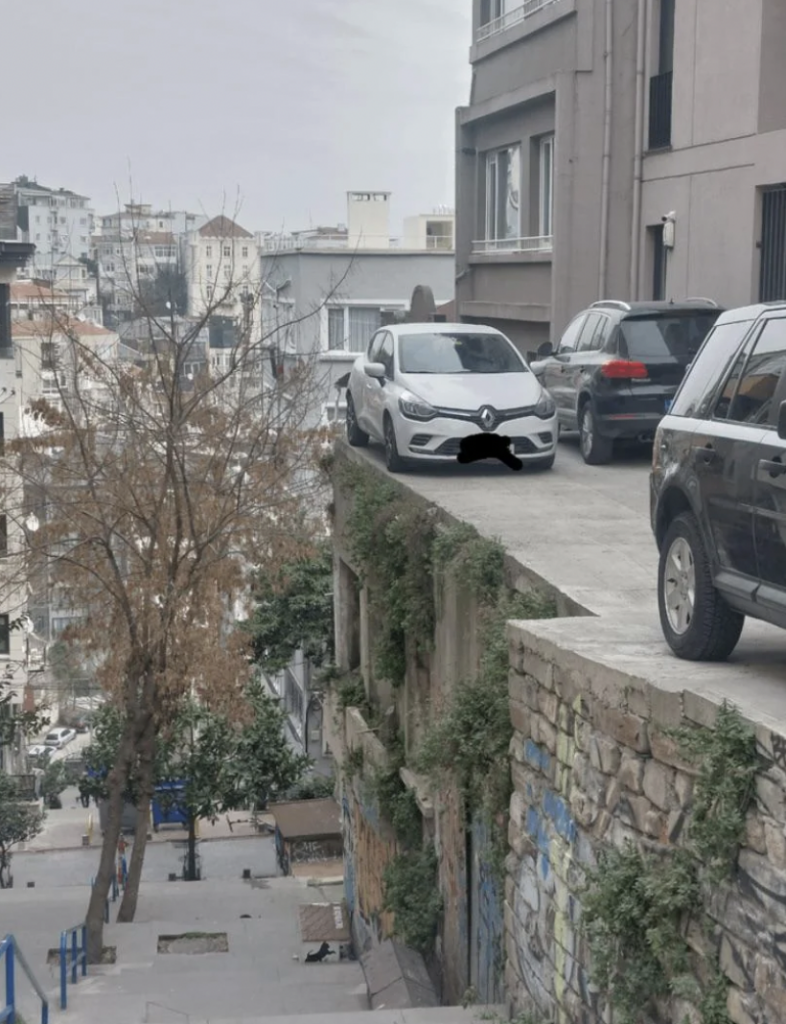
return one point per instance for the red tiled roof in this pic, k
(223, 227)
(45, 327)
(22, 290)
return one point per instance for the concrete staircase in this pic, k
(262, 978)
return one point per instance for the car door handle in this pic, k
(774, 468)
(706, 455)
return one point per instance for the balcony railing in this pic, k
(660, 111)
(511, 18)
(535, 243)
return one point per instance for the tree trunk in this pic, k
(94, 920)
(192, 872)
(146, 783)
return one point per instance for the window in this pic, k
(752, 402)
(590, 332)
(503, 189)
(3, 535)
(693, 398)
(363, 321)
(227, 250)
(571, 336)
(244, 252)
(336, 329)
(209, 291)
(386, 354)
(209, 270)
(445, 353)
(245, 270)
(546, 178)
(48, 355)
(490, 10)
(209, 251)
(227, 272)
(5, 634)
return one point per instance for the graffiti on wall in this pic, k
(487, 938)
(366, 855)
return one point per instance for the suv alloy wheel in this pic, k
(697, 622)
(595, 450)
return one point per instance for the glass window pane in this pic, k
(693, 398)
(753, 401)
(363, 321)
(336, 332)
(512, 193)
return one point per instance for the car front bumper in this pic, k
(440, 439)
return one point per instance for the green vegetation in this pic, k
(412, 895)
(636, 906)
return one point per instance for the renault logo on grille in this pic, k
(488, 418)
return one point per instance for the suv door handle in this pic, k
(706, 455)
(774, 468)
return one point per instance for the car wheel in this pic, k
(355, 436)
(545, 463)
(595, 449)
(393, 460)
(697, 622)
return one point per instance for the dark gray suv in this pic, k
(718, 487)
(618, 366)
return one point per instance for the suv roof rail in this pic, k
(612, 304)
(701, 298)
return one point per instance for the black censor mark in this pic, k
(488, 446)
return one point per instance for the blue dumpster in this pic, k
(167, 805)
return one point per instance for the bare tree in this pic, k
(160, 486)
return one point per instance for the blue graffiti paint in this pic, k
(544, 866)
(488, 937)
(537, 756)
(537, 829)
(556, 809)
(530, 792)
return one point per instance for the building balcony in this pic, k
(535, 244)
(660, 111)
(511, 18)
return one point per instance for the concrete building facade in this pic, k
(590, 124)
(58, 222)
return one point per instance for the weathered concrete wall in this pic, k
(591, 765)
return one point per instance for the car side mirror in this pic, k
(374, 370)
(782, 421)
(545, 350)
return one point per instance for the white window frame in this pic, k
(546, 176)
(385, 305)
(493, 204)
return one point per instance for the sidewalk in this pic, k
(64, 828)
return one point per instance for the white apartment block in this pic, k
(223, 272)
(58, 222)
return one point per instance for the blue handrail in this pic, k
(11, 951)
(78, 956)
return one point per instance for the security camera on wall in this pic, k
(669, 221)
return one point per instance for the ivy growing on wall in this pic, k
(636, 906)
(404, 552)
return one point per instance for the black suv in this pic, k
(718, 488)
(617, 368)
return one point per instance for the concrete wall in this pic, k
(729, 137)
(592, 765)
(548, 75)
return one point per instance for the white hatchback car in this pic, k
(419, 389)
(59, 738)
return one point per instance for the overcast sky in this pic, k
(286, 104)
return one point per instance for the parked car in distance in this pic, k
(419, 389)
(59, 738)
(38, 750)
(617, 368)
(718, 488)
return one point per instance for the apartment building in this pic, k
(14, 660)
(58, 222)
(222, 268)
(591, 126)
(326, 290)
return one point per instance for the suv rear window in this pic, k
(671, 338)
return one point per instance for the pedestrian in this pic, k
(84, 794)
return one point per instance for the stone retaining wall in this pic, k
(591, 766)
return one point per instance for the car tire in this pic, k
(544, 463)
(355, 436)
(596, 450)
(712, 628)
(393, 461)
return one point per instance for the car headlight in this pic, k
(545, 408)
(415, 408)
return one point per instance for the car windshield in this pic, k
(671, 338)
(458, 353)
